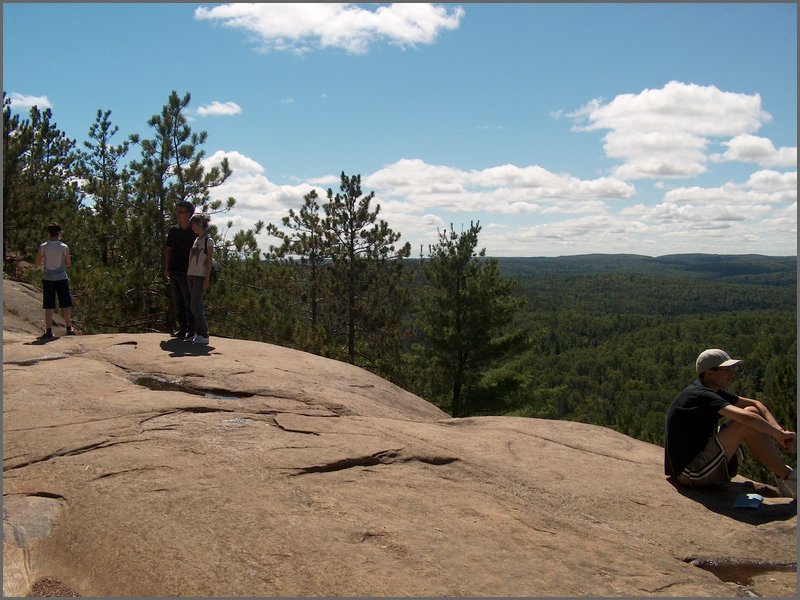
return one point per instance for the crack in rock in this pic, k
(29, 362)
(384, 457)
(185, 409)
(161, 383)
(738, 570)
(122, 472)
(71, 452)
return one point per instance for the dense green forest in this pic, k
(616, 337)
(603, 339)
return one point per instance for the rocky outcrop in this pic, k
(140, 465)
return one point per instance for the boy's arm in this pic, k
(167, 256)
(67, 259)
(39, 257)
(761, 408)
(756, 421)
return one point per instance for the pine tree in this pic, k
(365, 264)
(466, 316)
(38, 181)
(170, 170)
(106, 184)
(304, 238)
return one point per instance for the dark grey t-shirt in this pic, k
(691, 421)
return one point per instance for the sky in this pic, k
(563, 129)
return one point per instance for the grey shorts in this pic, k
(710, 467)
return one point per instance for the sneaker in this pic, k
(179, 334)
(71, 331)
(199, 339)
(788, 487)
(47, 335)
(190, 336)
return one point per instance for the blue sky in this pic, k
(563, 128)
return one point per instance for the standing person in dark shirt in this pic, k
(180, 239)
(697, 453)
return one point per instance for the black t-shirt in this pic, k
(181, 241)
(691, 421)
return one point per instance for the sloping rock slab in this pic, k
(133, 467)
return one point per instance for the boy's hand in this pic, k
(788, 441)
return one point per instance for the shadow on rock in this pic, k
(720, 499)
(178, 347)
(41, 342)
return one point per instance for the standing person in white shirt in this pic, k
(53, 257)
(199, 273)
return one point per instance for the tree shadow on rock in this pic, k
(179, 347)
(720, 499)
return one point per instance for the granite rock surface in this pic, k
(139, 465)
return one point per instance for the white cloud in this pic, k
(531, 211)
(773, 181)
(762, 187)
(23, 101)
(506, 189)
(664, 133)
(305, 27)
(759, 150)
(219, 109)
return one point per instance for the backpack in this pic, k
(214, 275)
(214, 271)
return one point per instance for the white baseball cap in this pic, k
(714, 357)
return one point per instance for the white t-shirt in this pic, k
(198, 256)
(54, 267)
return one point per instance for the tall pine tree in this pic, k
(170, 170)
(366, 266)
(466, 315)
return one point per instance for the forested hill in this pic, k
(679, 284)
(733, 268)
(614, 336)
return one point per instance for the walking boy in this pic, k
(53, 257)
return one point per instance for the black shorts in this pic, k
(51, 289)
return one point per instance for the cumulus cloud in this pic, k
(664, 133)
(23, 101)
(304, 27)
(530, 211)
(761, 151)
(507, 189)
(217, 108)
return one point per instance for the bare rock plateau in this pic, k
(139, 465)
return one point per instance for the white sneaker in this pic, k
(199, 339)
(788, 487)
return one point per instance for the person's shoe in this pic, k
(71, 331)
(788, 487)
(190, 336)
(179, 334)
(47, 335)
(199, 339)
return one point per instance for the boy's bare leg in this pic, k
(48, 318)
(67, 316)
(761, 445)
